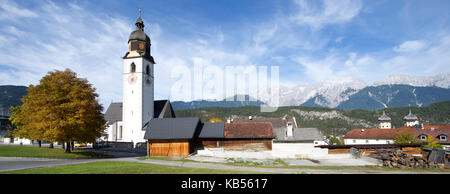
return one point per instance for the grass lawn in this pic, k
(114, 167)
(282, 164)
(36, 152)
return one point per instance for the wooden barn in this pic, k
(179, 137)
(171, 137)
(241, 136)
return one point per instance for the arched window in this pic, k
(133, 68)
(147, 70)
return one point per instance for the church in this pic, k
(144, 123)
(127, 121)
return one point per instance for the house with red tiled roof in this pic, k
(387, 136)
(373, 136)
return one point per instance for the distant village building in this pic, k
(387, 135)
(411, 120)
(385, 121)
(292, 141)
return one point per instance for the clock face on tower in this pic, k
(141, 46)
(132, 79)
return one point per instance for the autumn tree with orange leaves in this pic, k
(61, 108)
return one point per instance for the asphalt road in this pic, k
(13, 163)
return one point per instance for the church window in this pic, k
(147, 70)
(443, 137)
(133, 68)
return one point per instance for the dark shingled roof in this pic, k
(114, 111)
(299, 134)
(172, 128)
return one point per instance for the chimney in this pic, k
(289, 129)
(362, 130)
(250, 118)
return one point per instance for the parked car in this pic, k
(100, 144)
(80, 145)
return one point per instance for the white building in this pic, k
(370, 136)
(411, 120)
(385, 121)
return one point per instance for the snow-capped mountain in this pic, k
(345, 92)
(441, 81)
(349, 93)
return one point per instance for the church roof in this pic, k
(162, 109)
(113, 113)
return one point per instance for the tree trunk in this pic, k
(51, 145)
(40, 143)
(68, 147)
(63, 145)
(72, 145)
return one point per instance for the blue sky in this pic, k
(310, 41)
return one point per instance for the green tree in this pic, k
(405, 137)
(62, 108)
(432, 144)
(335, 141)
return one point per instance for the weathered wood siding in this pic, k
(369, 151)
(339, 151)
(235, 144)
(169, 148)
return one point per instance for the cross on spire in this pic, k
(139, 22)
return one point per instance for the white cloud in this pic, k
(14, 31)
(10, 10)
(326, 12)
(410, 46)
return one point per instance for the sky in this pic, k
(309, 40)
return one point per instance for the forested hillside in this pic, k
(329, 121)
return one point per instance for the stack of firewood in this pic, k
(398, 159)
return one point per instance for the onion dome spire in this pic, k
(139, 22)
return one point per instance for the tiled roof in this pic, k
(276, 122)
(391, 133)
(376, 133)
(435, 131)
(248, 130)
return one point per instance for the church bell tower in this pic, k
(138, 85)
